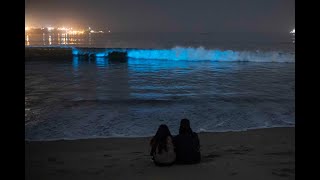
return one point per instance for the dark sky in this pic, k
(165, 15)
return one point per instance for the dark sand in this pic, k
(254, 154)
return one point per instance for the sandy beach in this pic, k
(253, 154)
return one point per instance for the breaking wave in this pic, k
(192, 54)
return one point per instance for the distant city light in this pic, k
(75, 32)
(293, 35)
(62, 29)
(293, 31)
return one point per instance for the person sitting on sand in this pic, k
(187, 144)
(162, 149)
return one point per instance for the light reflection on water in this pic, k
(54, 39)
(50, 40)
(101, 62)
(88, 97)
(204, 76)
(81, 97)
(75, 63)
(161, 40)
(27, 40)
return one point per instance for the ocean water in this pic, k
(234, 85)
(224, 41)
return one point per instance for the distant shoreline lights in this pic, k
(293, 35)
(61, 30)
(293, 31)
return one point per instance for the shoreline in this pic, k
(146, 136)
(267, 153)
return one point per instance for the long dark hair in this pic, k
(185, 127)
(160, 139)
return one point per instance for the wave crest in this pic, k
(194, 54)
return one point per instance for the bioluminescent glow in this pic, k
(101, 62)
(102, 54)
(154, 65)
(75, 62)
(193, 54)
(75, 51)
(180, 53)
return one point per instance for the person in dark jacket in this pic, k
(162, 148)
(187, 144)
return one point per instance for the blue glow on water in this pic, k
(101, 62)
(119, 96)
(75, 62)
(193, 54)
(101, 54)
(75, 51)
(180, 53)
(200, 54)
(155, 65)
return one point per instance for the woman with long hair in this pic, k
(162, 149)
(187, 144)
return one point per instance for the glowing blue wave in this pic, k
(193, 54)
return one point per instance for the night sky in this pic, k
(165, 15)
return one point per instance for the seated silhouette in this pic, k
(187, 144)
(162, 148)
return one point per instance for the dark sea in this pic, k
(219, 81)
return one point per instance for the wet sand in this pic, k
(253, 154)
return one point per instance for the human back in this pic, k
(162, 148)
(187, 144)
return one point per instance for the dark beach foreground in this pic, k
(253, 154)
